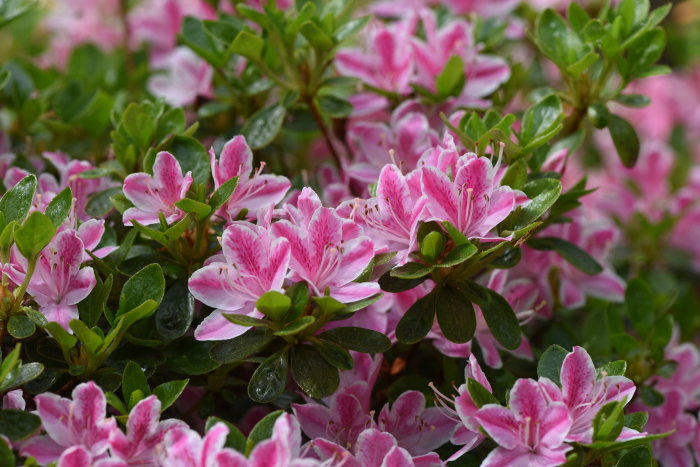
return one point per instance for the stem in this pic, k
(326, 134)
(23, 288)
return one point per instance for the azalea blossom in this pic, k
(531, 432)
(327, 251)
(157, 193)
(80, 422)
(253, 262)
(183, 77)
(58, 283)
(585, 393)
(254, 190)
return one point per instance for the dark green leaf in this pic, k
(554, 38)
(235, 439)
(633, 100)
(392, 284)
(59, 207)
(359, 339)
(200, 210)
(17, 424)
(262, 430)
(457, 255)
(636, 420)
(549, 365)
(245, 320)
(570, 252)
(168, 392)
(334, 354)
(240, 347)
(450, 81)
(270, 378)
(411, 271)
(455, 314)
(625, 138)
(147, 284)
(636, 457)
(312, 373)
(609, 421)
(416, 323)
(543, 193)
(497, 312)
(36, 232)
(334, 106)
(7, 457)
(479, 394)
(249, 45)
(192, 156)
(134, 379)
(20, 327)
(264, 125)
(639, 303)
(316, 36)
(175, 312)
(541, 118)
(223, 194)
(296, 326)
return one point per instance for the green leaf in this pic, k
(577, 16)
(274, 305)
(17, 424)
(334, 354)
(479, 394)
(499, 316)
(192, 156)
(541, 118)
(450, 81)
(249, 45)
(239, 348)
(334, 106)
(554, 38)
(36, 232)
(270, 378)
(644, 53)
(358, 339)
(92, 308)
(65, 340)
(299, 294)
(196, 37)
(632, 12)
(134, 379)
(223, 194)
(317, 37)
(312, 373)
(636, 420)
(245, 320)
(264, 125)
(59, 207)
(168, 392)
(392, 284)
(455, 314)
(432, 245)
(175, 312)
(142, 311)
(351, 27)
(7, 457)
(456, 236)
(616, 368)
(235, 439)
(543, 193)
(577, 257)
(262, 430)
(139, 125)
(88, 338)
(188, 356)
(651, 396)
(296, 326)
(625, 138)
(639, 303)
(416, 323)
(549, 365)
(636, 457)
(147, 284)
(20, 327)
(609, 421)
(200, 210)
(599, 115)
(411, 271)
(633, 100)
(457, 255)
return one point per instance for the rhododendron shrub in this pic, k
(338, 233)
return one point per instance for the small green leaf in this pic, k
(65, 340)
(270, 378)
(455, 314)
(262, 430)
(245, 320)
(17, 424)
(20, 327)
(358, 339)
(543, 193)
(88, 338)
(636, 420)
(625, 138)
(36, 232)
(249, 45)
(59, 207)
(239, 348)
(334, 354)
(450, 81)
(554, 38)
(541, 118)
(264, 125)
(432, 245)
(168, 392)
(316, 36)
(235, 439)
(639, 456)
(457, 255)
(223, 194)
(419, 318)
(497, 312)
(411, 271)
(616, 368)
(274, 305)
(312, 373)
(549, 365)
(479, 394)
(175, 312)
(609, 421)
(577, 257)
(200, 210)
(633, 100)
(192, 157)
(134, 379)
(296, 326)
(334, 106)
(16, 202)
(147, 284)
(7, 457)
(639, 303)
(392, 284)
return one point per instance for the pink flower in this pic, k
(585, 393)
(473, 202)
(467, 434)
(183, 447)
(68, 423)
(328, 252)
(79, 456)
(144, 432)
(184, 76)
(483, 74)
(373, 449)
(153, 194)
(386, 64)
(676, 449)
(253, 263)
(58, 283)
(486, 8)
(394, 214)
(254, 190)
(530, 432)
